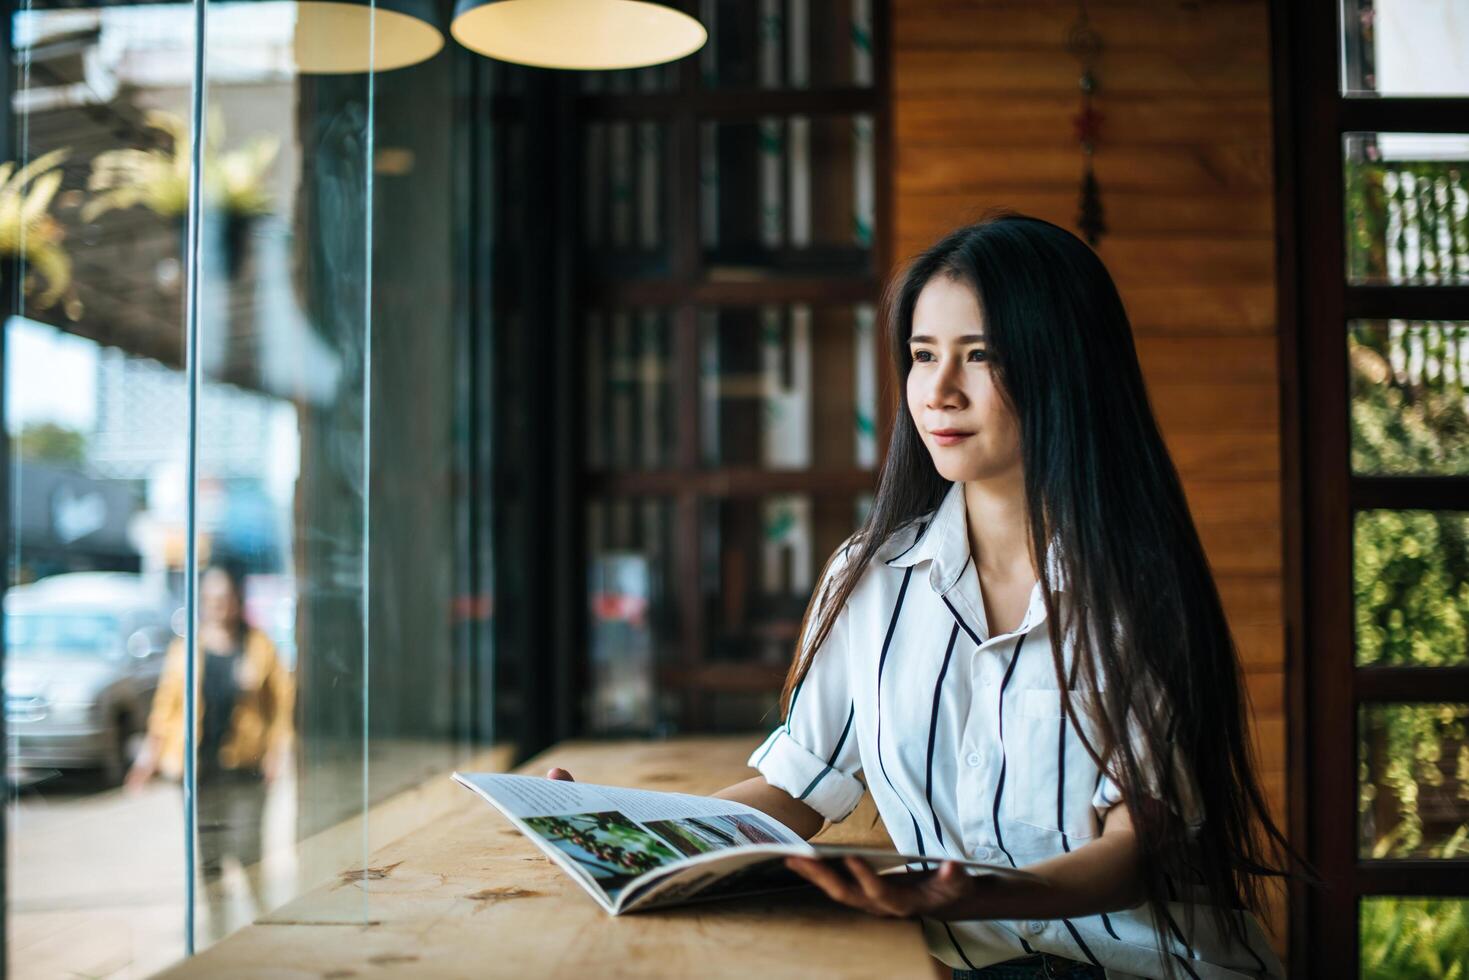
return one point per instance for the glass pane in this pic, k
(283, 428)
(1404, 48)
(1413, 790)
(625, 198)
(632, 610)
(795, 194)
(331, 476)
(94, 407)
(630, 422)
(1407, 208)
(794, 44)
(1410, 396)
(1410, 571)
(788, 387)
(761, 558)
(1421, 938)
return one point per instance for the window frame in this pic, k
(1315, 304)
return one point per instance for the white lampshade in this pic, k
(588, 35)
(340, 37)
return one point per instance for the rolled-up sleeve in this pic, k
(814, 756)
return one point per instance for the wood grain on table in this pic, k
(469, 896)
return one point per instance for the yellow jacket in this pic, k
(263, 707)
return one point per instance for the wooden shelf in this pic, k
(685, 275)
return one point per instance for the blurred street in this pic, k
(96, 876)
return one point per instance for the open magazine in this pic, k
(636, 849)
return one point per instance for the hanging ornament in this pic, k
(1085, 44)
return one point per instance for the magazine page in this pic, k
(726, 873)
(609, 837)
(760, 867)
(638, 849)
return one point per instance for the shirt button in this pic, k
(973, 759)
(1037, 927)
(983, 853)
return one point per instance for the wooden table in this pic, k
(468, 896)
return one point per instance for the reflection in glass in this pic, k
(795, 44)
(797, 194)
(1404, 48)
(97, 482)
(1413, 788)
(1407, 208)
(1418, 938)
(630, 399)
(629, 558)
(1410, 396)
(282, 325)
(327, 298)
(788, 387)
(1410, 571)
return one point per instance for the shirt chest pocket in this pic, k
(1049, 775)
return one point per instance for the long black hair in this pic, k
(1154, 662)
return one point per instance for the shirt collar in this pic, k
(942, 538)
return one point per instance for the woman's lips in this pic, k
(949, 437)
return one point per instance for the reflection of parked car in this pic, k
(83, 652)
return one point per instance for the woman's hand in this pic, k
(1101, 876)
(948, 893)
(556, 772)
(274, 763)
(144, 766)
(140, 773)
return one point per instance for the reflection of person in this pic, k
(1024, 650)
(245, 701)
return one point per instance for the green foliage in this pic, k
(28, 230)
(1414, 939)
(1401, 220)
(1410, 415)
(234, 181)
(51, 443)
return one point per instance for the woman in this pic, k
(1023, 649)
(245, 700)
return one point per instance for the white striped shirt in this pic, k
(962, 741)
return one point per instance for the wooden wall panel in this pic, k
(983, 95)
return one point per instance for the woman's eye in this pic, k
(922, 355)
(979, 355)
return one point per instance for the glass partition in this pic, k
(247, 396)
(96, 398)
(286, 327)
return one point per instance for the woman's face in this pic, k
(218, 603)
(953, 395)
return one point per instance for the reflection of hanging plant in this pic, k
(158, 179)
(27, 229)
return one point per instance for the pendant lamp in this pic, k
(335, 37)
(589, 35)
